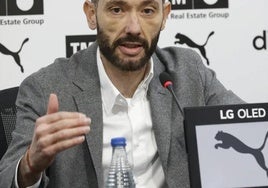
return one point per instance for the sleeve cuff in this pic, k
(36, 185)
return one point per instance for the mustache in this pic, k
(131, 38)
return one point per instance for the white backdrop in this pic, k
(238, 26)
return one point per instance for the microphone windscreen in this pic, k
(164, 77)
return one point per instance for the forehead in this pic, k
(130, 1)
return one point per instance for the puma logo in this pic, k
(229, 140)
(15, 55)
(183, 39)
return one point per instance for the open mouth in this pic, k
(131, 48)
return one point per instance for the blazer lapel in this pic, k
(161, 109)
(88, 101)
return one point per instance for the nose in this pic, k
(133, 25)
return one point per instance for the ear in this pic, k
(167, 9)
(90, 11)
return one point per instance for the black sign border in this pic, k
(209, 115)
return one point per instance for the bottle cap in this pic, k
(119, 141)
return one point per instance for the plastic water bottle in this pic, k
(120, 173)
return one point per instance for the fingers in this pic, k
(70, 123)
(47, 145)
(60, 120)
(56, 131)
(61, 130)
(59, 146)
(65, 134)
(58, 127)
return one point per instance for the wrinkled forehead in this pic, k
(105, 1)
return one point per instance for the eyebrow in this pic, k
(122, 2)
(147, 2)
(115, 2)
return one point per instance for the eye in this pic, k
(148, 11)
(116, 10)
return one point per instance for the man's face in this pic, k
(128, 31)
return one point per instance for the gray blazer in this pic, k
(76, 82)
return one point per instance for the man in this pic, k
(69, 111)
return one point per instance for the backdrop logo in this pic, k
(260, 41)
(230, 141)
(4, 50)
(79, 42)
(183, 39)
(21, 7)
(198, 4)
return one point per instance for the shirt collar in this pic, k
(110, 94)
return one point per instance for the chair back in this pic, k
(7, 117)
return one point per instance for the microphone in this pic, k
(167, 83)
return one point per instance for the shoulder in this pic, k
(66, 66)
(179, 58)
(176, 52)
(63, 70)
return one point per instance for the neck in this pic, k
(125, 81)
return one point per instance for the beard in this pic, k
(125, 64)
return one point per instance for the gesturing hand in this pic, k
(54, 132)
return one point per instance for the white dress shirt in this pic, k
(130, 118)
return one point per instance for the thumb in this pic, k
(53, 104)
